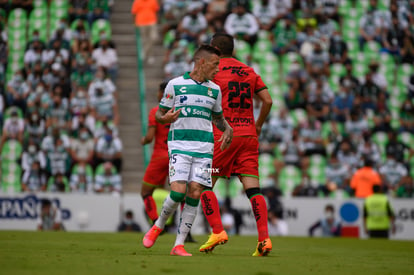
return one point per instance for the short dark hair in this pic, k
(368, 162)
(330, 207)
(205, 49)
(45, 203)
(224, 42)
(163, 85)
(376, 188)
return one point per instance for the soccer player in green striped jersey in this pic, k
(191, 103)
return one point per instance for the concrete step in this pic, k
(122, 6)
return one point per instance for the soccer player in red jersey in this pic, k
(238, 83)
(157, 170)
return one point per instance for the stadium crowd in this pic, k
(341, 77)
(58, 100)
(340, 73)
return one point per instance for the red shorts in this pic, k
(241, 158)
(157, 170)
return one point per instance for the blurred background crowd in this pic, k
(58, 97)
(340, 73)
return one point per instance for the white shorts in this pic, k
(187, 168)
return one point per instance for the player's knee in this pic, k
(146, 191)
(177, 196)
(252, 191)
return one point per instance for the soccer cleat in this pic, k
(179, 250)
(263, 248)
(214, 240)
(151, 236)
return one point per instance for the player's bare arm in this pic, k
(149, 136)
(223, 126)
(267, 103)
(164, 116)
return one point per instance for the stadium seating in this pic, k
(45, 17)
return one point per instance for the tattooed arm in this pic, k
(164, 116)
(223, 126)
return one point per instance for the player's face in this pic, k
(210, 66)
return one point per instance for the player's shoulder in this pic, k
(154, 109)
(232, 64)
(213, 85)
(176, 80)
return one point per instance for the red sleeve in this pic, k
(259, 84)
(152, 122)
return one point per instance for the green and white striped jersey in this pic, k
(192, 133)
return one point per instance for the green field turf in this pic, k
(98, 253)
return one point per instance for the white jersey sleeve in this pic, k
(167, 101)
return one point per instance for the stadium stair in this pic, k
(123, 34)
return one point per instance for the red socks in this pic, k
(211, 210)
(259, 208)
(151, 208)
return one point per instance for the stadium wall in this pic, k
(103, 212)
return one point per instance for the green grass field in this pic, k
(98, 253)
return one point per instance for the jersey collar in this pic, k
(187, 76)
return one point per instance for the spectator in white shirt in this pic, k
(102, 82)
(283, 8)
(392, 172)
(34, 54)
(242, 25)
(193, 25)
(84, 119)
(109, 148)
(107, 179)
(32, 154)
(17, 91)
(13, 128)
(82, 147)
(106, 57)
(266, 14)
(64, 29)
(330, 8)
(378, 77)
(369, 28)
(56, 54)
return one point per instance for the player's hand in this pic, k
(226, 139)
(258, 130)
(171, 116)
(143, 141)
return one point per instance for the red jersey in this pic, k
(161, 133)
(238, 83)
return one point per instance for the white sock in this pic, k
(186, 222)
(168, 208)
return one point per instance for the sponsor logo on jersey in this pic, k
(183, 98)
(183, 89)
(172, 171)
(168, 96)
(189, 111)
(241, 120)
(236, 70)
(199, 100)
(210, 102)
